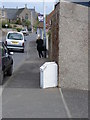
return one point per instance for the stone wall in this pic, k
(24, 12)
(73, 46)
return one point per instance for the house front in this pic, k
(21, 14)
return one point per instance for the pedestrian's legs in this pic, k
(39, 54)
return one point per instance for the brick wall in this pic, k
(55, 35)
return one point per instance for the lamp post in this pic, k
(44, 28)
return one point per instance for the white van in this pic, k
(15, 41)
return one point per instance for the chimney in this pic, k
(34, 7)
(3, 6)
(17, 7)
(25, 5)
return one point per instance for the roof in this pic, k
(18, 12)
(57, 4)
(87, 4)
(10, 12)
(81, 3)
(13, 13)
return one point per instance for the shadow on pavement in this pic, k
(27, 76)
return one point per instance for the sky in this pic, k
(38, 4)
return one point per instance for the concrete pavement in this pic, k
(23, 98)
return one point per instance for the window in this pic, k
(26, 17)
(15, 36)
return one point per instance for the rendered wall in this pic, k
(73, 46)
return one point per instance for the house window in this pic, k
(26, 17)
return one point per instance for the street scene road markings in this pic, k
(65, 105)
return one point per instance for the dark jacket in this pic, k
(39, 44)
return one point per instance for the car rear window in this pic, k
(15, 36)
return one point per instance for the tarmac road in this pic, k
(19, 57)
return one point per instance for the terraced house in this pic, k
(12, 14)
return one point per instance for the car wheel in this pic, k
(23, 51)
(10, 70)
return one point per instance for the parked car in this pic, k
(25, 31)
(30, 30)
(6, 63)
(15, 41)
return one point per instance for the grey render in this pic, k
(73, 46)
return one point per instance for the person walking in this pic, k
(39, 42)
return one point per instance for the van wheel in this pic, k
(10, 70)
